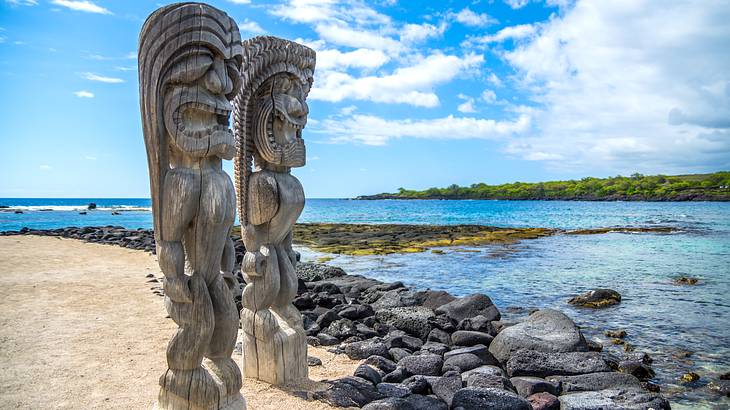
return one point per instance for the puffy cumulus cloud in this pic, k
(374, 130)
(328, 59)
(617, 86)
(413, 33)
(467, 106)
(343, 35)
(82, 5)
(408, 85)
(250, 26)
(517, 4)
(469, 18)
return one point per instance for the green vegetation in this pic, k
(637, 187)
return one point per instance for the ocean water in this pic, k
(660, 318)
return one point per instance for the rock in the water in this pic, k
(613, 399)
(446, 386)
(470, 338)
(394, 390)
(369, 373)
(381, 363)
(539, 364)
(365, 349)
(390, 403)
(433, 298)
(545, 331)
(413, 320)
(597, 298)
(474, 398)
(544, 401)
(596, 381)
(427, 364)
(470, 306)
(426, 402)
(464, 361)
(527, 386)
(349, 392)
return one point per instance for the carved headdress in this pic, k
(169, 36)
(276, 77)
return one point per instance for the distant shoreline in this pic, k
(713, 187)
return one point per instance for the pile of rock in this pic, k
(431, 350)
(140, 239)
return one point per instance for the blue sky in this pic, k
(407, 93)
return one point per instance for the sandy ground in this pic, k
(81, 329)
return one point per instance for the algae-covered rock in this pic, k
(597, 298)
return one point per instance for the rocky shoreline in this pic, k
(429, 349)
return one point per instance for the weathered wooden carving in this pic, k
(189, 60)
(270, 113)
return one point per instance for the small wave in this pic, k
(74, 208)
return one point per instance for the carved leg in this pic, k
(287, 291)
(186, 380)
(225, 332)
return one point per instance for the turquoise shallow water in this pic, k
(660, 318)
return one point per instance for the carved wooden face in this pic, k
(197, 93)
(280, 141)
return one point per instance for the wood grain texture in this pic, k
(270, 113)
(189, 60)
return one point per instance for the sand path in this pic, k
(81, 329)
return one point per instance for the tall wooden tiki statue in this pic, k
(270, 113)
(190, 56)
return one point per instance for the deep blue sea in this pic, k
(661, 318)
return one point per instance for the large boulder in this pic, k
(413, 319)
(470, 306)
(426, 402)
(474, 398)
(597, 298)
(546, 330)
(539, 364)
(395, 298)
(464, 362)
(596, 381)
(527, 386)
(349, 392)
(480, 351)
(381, 363)
(471, 338)
(613, 399)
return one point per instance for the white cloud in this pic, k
(348, 110)
(250, 26)
(361, 58)
(517, 32)
(121, 68)
(619, 88)
(413, 33)
(373, 130)
(44, 167)
(494, 80)
(81, 5)
(489, 96)
(469, 18)
(343, 35)
(22, 2)
(102, 79)
(467, 106)
(517, 4)
(408, 85)
(240, 1)
(84, 94)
